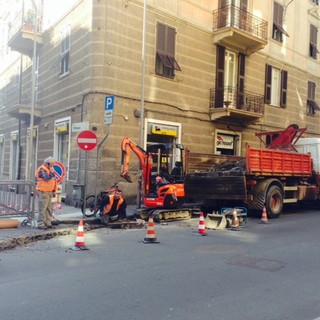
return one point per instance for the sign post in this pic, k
(87, 141)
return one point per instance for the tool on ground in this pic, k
(215, 221)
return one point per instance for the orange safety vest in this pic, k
(108, 206)
(45, 186)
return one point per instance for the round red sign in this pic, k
(87, 140)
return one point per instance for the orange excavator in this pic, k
(163, 201)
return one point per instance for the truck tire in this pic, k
(274, 202)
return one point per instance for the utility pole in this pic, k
(33, 93)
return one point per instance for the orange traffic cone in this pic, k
(235, 224)
(264, 217)
(79, 244)
(151, 234)
(201, 226)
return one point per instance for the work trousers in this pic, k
(45, 208)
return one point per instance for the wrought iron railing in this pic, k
(231, 97)
(23, 21)
(232, 16)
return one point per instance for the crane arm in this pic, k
(145, 161)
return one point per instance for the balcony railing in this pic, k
(22, 32)
(230, 97)
(232, 16)
(24, 21)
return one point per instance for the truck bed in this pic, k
(258, 162)
(220, 177)
(268, 162)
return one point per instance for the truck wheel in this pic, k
(274, 202)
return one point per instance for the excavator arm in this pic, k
(145, 161)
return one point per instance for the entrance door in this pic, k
(230, 78)
(62, 146)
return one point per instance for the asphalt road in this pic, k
(265, 272)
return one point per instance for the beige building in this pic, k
(208, 73)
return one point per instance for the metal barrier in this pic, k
(17, 199)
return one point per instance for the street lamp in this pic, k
(33, 89)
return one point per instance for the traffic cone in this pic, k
(235, 224)
(201, 226)
(79, 244)
(151, 234)
(264, 217)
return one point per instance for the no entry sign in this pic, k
(87, 140)
(59, 171)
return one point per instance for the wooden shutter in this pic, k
(241, 77)
(219, 76)
(223, 14)
(313, 41)
(161, 31)
(244, 5)
(268, 81)
(284, 87)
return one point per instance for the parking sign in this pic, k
(109, 107)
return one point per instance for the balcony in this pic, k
(23, 112)
(22, 33)
(229, 104)
(239, 29)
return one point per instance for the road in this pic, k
(265, 272)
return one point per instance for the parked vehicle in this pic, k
(166, 201)
(285, 171)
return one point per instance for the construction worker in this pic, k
(161, 181)
(46, 187)
(114, 205)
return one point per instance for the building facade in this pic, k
(205, 73)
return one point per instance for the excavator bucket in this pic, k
(215, 221)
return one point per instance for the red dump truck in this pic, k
(285, 171)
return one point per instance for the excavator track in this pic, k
(161, 215)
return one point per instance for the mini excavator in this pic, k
(163, 202)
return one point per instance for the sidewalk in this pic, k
(69, 218)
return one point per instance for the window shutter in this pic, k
(284, 87)
(241, 77)
(268, 81)
(171, 35)
(219, 76)
(161, 45)
(244, 5)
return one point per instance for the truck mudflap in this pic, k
(201, 186)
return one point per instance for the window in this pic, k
(34, 152)
(165, 56)
(276, 85)
(62, 142)
(14, 155)
(277, 28)
(65, 50)
(230, 79)
(313, 42)
(1, 155)
(312, 106)
(17, 76)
